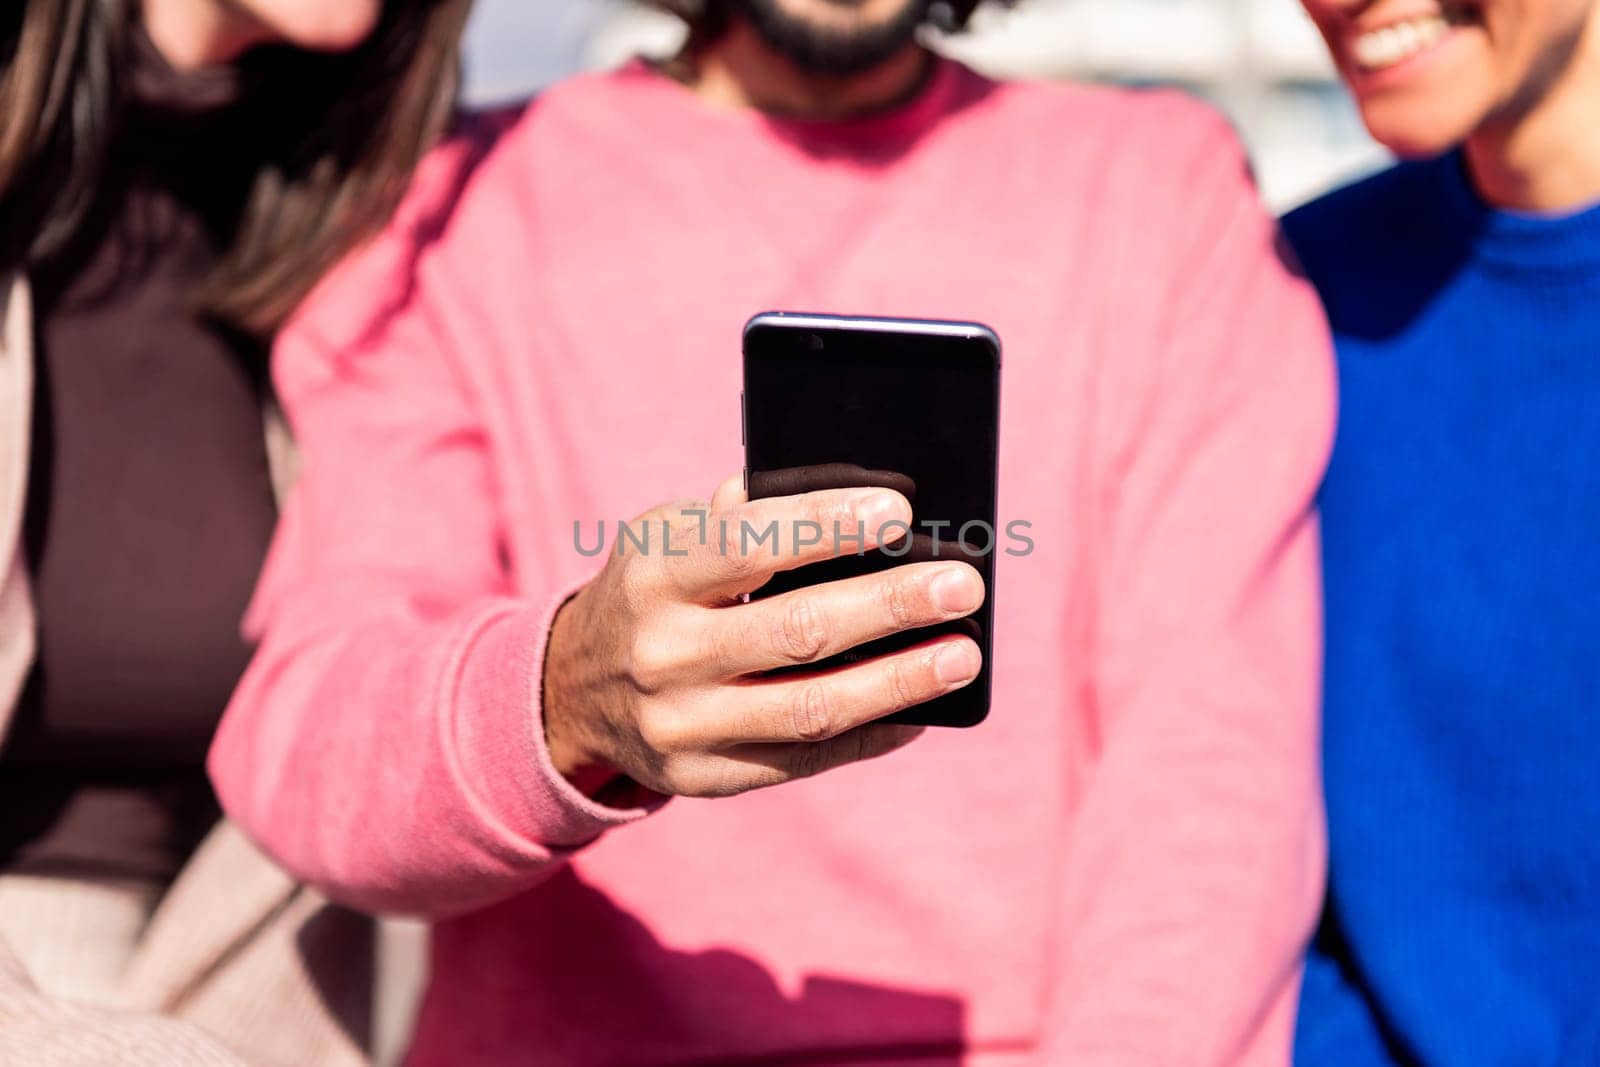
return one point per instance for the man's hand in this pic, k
(654, 670)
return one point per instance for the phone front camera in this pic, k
(816, 342)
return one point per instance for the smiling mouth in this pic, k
(1397, 42)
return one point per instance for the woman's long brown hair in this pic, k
(338, 141)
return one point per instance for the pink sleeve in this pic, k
(1195, 863)
(386, 744)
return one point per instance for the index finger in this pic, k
(793, 481)
(749, 543)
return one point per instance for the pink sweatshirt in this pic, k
(1119, 868)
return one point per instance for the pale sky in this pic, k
(514, 46)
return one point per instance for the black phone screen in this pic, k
(834, 402)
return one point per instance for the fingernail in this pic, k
(877, 511)
(957, 591)
(957, 664)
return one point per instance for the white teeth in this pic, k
(1378, 49)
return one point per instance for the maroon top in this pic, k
(150, 503)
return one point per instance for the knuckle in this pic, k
(740, 564)
(678, 775)
(675, 513)
(665, 733)
(802, 632)
(670, 776)
(635, 583)
(695, 775)
(652, 665)
(898, 603)
(685, 526)
(902, 685)
(810, 713)
(712, 782)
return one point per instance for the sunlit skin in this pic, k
(1516, 81)
(740, 71)
(194, 34)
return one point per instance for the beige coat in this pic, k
(237, 963)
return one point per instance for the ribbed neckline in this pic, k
(904, 122)
(1551, 244)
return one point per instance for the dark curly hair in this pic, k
(706, 18)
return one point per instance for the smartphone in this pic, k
(834, 402)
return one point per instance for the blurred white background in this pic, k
(1259, 60)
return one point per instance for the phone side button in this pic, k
(741, 419)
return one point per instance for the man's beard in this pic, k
(824, 50)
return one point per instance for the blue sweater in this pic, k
(1462, 541)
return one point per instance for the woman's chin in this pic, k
(335, 35)
(1419, 130)
(318, 27)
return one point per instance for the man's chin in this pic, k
(828, 46)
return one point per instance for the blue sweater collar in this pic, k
(1547, 244)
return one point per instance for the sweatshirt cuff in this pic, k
(499, 737)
